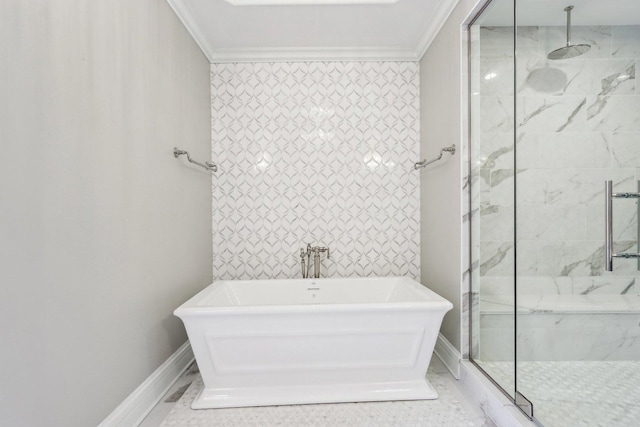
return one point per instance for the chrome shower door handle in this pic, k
(608, 225)
(609, 195)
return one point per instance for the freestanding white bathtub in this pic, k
(297, 341)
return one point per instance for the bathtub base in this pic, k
(210, 398)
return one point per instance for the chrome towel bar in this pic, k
(425, 162)
(207, 165)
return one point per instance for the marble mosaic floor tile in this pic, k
(451, 409)
(577, 393)
(168, 401)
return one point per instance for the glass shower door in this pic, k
(492, 46)
(577, 126)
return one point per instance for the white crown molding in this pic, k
(431, 29)
(186, 17)
(434, 26)
(304, 2)
(312, 54)
(141, 402)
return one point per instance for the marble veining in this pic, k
(613, 113)
(552, 114)
(576, 124)
(500, 253)
(577, 77)
(569, 141)
(586, 302)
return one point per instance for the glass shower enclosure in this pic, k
(554, 171)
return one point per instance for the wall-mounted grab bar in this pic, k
(425, 162)
(207, 165)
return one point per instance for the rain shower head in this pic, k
(569, 50)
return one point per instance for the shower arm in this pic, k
(568, 10)
(569, 50)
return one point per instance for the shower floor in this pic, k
(583, 393)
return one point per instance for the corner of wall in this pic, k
(442, 123)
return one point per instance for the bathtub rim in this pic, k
(190, 307)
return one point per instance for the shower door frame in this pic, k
(519, 400)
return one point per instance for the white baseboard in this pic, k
(133, 410)
(449, 355)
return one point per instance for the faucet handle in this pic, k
(323, 249)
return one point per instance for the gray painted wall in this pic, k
(102, 232)
(441, 183)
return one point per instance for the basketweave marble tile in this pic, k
(576, 393)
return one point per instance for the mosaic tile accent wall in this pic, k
(318, 153)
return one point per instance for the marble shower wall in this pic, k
(317, 153)
(577, 124)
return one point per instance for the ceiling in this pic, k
(308, 30)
